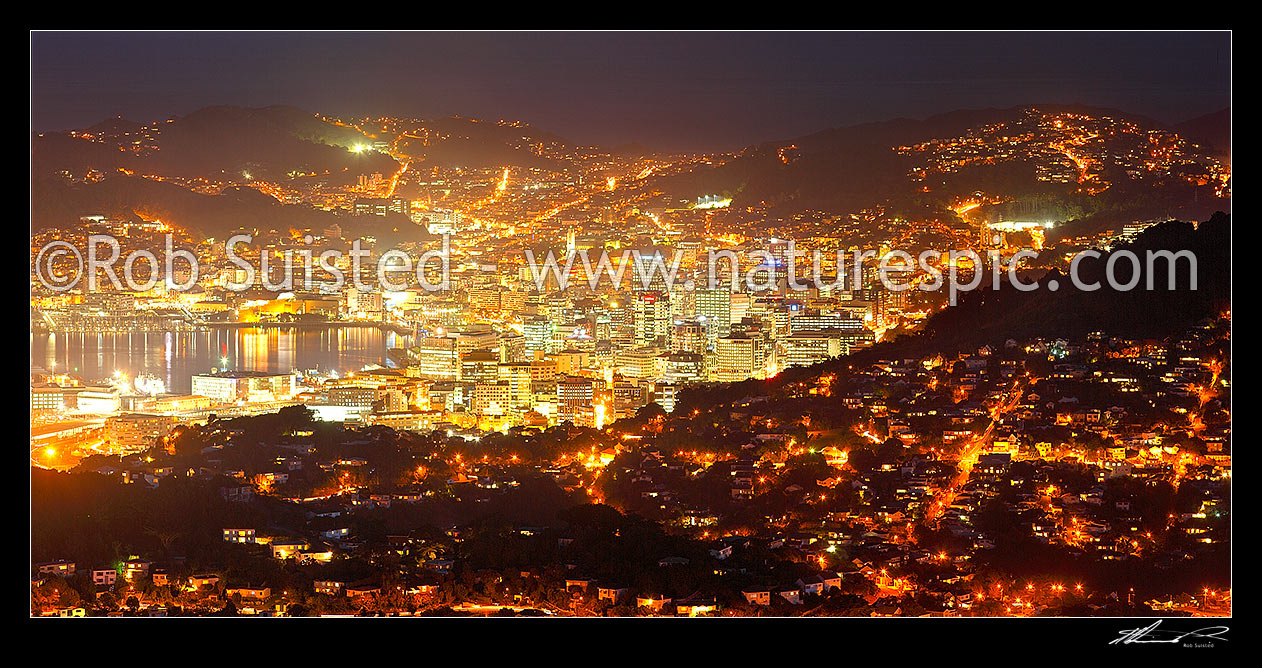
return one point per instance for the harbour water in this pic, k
(174, 357)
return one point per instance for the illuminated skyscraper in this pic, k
(574, 401)
(652, 318)
(714, 311)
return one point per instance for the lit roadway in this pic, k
(485, 609)
(968, 456)
(53, 450)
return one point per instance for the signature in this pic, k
(1152, 635)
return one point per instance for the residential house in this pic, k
(695, 606)
(792, 594)
(354, 591)
(199, 582)
(61, 568)
(654, 602)
(757, 596)
(249, 593)
(136, 569)
(238, 535)
(328, 587)
(104, 577)
(614, 595)
(288, 548)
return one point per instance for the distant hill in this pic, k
(1212, 131)
(842, 170)
(269, 142)
(54, 202)
(456, 141)
(227, 143)
(631, 150)
(114, 126)
(849, 168)
(837, 169)
(216, 143)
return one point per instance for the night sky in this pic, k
(708, 91)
